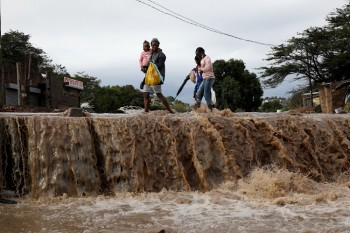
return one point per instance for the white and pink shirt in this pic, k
(144, 58)
(207, 68)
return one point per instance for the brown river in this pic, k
(185, 172)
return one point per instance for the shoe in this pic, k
(197, 104)
(210, 106)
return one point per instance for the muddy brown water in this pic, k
(190, 172)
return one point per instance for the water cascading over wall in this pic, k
(43, 155)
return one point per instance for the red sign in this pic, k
(73, 83)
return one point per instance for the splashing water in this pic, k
(191, 172)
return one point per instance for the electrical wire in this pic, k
(198, 24)
(192, 22)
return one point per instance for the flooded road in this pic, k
(231, 208)
(190, 172)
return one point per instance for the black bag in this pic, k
(142, 84)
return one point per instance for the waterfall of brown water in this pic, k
(106, 154)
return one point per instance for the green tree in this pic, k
(108, 99)
(180, 106)
(296, 98)
(339, 26)
(251, 93)
(320, 54)
(271, 106)
(131, 96)
(170, 99)
(91, 84)
(228, 94)
(15, 45)
(56, 70)
(236, 87)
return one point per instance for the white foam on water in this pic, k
(214, 211)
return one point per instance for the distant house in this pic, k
(315, 99)
(333, 95)
(30, 88)
(15, 93)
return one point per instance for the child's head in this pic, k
(146, 46)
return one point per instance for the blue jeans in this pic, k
(205, 89)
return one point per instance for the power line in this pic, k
(196, 23)
(192, 22)
(186, 21)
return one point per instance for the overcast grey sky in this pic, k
(104, 38)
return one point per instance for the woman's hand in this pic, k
(143, 69)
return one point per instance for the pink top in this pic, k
(207, 68)
(144, 58)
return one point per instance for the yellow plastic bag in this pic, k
(153, 76)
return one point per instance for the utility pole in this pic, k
(26, 79)
(19, 84)
(311, 93)
(310, 81)
(2, 81)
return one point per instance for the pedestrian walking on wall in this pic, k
(206, 69)
(158, 59)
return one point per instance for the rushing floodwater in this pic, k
(193, 172)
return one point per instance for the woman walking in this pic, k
(206, 69)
